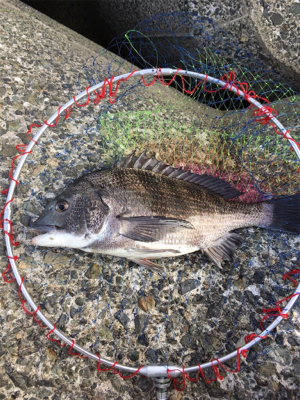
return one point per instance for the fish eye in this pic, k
(62, 206)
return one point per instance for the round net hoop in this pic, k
(151, 371)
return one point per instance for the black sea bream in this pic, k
(143, 209)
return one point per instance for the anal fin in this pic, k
(223, 248)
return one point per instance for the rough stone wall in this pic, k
(267, 29)
(278, 25)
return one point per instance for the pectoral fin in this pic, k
(223, 248)
(150, 229)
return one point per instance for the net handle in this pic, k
(150, 371)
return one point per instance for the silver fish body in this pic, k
(143, 209)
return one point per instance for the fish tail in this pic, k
(286, 214)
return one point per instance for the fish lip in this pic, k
(42, 227)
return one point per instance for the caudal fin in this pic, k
(286, 214)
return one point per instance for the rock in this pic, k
(176, 396)
(119, 280)
(94, 272)
(26, 348)
(296, 366)
(259, 381)
(240, 283)
(25, 220)
(145, 384)
(105, 333)
(32, 100)
(45, 383)
(56, 259)
(62, 321)
(281, 355)
(266, 369)
(92, 293)
(116, 383)
(73, 311)
(13, 126)
(188, 285)
(151, 356)
(251, 298)
(218, 393)
(279, 338)
(45, 64)
(10, 318)
(143, 340)
(74, 274)
(26, 264)
(188, 341)
(293, 341)
(122, 318)
(134, 355)
(8, 150)
(18, 379)
(137, 324)
(276, 18)
(259, 277)
(79, 301)
(140, 323)
(295, 8)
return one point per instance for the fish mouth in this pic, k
(42, 227)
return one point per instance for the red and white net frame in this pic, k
(264, 115)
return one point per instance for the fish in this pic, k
(143, 209)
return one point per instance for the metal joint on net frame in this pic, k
(161, 373)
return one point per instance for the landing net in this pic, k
(193, 314)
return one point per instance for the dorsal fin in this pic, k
(212, 183)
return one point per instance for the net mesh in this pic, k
(192, 312)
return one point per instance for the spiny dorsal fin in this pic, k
(212, 183)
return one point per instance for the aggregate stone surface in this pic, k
(278, 24)
(200, 312)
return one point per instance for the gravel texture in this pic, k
(189, 313)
